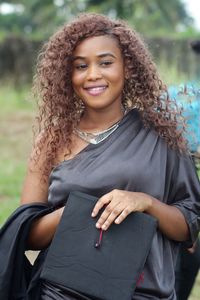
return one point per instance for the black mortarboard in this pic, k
(103, 266)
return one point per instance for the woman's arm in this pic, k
(171, 221)
(35, 189)
(178, 219)
(43, 229)
(119, 204)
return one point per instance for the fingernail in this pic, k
(104, 227)
(97, 225)
(93, 214)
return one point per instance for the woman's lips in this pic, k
(95, 91)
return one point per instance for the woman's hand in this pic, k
(119, 204)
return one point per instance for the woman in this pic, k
(108, 128)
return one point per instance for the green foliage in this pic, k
(40, 18)
(147, 16)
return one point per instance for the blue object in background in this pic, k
(187, 96)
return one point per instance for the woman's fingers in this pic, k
(108, 216)
(123, 215)
(116, 209)
(101, 203)
(119, 204)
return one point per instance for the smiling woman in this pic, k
(107, 128)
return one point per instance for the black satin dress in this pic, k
(133, 158)
(55, 292)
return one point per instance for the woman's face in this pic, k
(98, 72)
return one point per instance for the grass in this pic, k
(196, 289)
(16, 116)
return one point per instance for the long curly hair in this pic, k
(59, 108)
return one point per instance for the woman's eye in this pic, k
(106, 63)
(81, 66)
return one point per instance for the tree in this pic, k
(40, 18)
(146, 16)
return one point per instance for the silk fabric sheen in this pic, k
(136, 159)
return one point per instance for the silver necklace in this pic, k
(97, 137)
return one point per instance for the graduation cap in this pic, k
(104, 265)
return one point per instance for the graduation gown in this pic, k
(19, 280)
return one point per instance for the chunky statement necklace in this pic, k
(95, 138)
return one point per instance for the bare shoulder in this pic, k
(35, 188)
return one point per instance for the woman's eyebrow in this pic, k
(100, 55)
(78, 57)
(107, 54)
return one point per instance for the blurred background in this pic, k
(170, 28)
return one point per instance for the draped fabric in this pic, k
(135, 158)
(18, 278)
(52, 292)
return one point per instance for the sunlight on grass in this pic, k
(12, 100)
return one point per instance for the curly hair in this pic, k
(59, 109)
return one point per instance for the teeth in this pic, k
(97, 89)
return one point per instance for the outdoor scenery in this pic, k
(166, 26)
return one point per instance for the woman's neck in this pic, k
(92, 121)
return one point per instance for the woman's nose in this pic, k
(93, 73)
